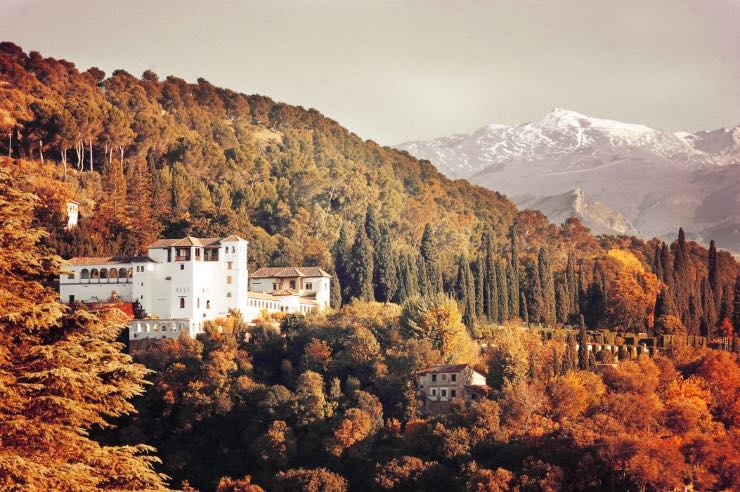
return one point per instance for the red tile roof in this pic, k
(108, 260)
(289, 272)
(444, 368)
(187, 241)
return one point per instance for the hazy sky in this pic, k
(416, 69)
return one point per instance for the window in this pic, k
(434, 391)
(229, 265)
(130, 272)
(197, 253)
(453, 393)
(71, 299)
(182, 303)
(197, 302)
(208, 304)
(113, 273)
(434, 378)
(233, 249)
(444, 377)
(94, 274)
(71, 275)
(229, 279)
(443, 392)
(309, 286)
(182, 267)
(122, 272)
(292, 284)
(85, 274)
(228, 294)
(453, 377)
(103, 273)
(274, 286)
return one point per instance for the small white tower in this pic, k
(73, 209)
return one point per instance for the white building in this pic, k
(73, 212)
(181, 283)
(288, 289)
(443, 383)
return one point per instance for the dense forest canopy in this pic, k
(426, 271)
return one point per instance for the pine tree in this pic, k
(63, 373)
(502, 289)
(430, 255)
(548, 287)
(362, 267)
(583, 362)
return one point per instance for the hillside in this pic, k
(149, 157)
(657, 180)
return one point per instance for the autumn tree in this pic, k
(63, 373)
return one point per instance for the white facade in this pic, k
(73, 211)
(181, 283)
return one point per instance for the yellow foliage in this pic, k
(627, 259)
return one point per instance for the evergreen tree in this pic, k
(547, 283)
(490, 290)
(657, 264)
(665, 262)
(571, 283)
(681, 281)
(663, 303)
(712, 268)
(422, 273)
(479, 277)
(562, 302)
(513, 294)
(386, 268)
(736, 305)
(465, 292)
(709, 309)
(570, 357)
(362, 267)
(502, 289)
(343, 264)
(524, 311)
(537, 306)
(430, 255)
(514, 287)
(372, 229)
(63, 372)
(583, 361)
(335, 299)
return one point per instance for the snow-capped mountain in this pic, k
(656, 181)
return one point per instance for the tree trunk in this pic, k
(64, 160)
(121, 157)
(10, 143)
(91, 155)
(41, 150)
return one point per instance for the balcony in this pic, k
(182, 258)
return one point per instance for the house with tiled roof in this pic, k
(182, 283)
(443, 383)
(305, 287)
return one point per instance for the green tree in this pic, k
(430, 255)
(362, 267)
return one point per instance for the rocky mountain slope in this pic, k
(645, 181)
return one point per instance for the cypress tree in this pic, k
(479, 277)
(571, 283)
(422, 274)
(503, 293)
(429, 252)
(663, 303)
(513, 294)
(372, 229)
(412, 278)
(548, 287)
(712, 268)
(665, 262)
(490, 290)
(562, 302)
(362, 267)
(657, 264)
(536, 307)
(583, 362)
(570, 357)
(335, 298)
(386, 268)
(681, 277)
(343, 264)
(514, 287)
(465, 291)
(524, 311)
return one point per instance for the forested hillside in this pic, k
(327, 401)
(147, 157)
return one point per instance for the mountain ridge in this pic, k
(634, 170)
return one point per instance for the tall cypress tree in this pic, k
(335, 296)
(665, 262)
(548, 287)
(681, 278)
(490, 290)
(562, 302)
(583, 360)
(571, 283)
(712, 267)
(570, 357)
(343, 264)
(514, 287)
(537, 304)
(513, 294)
(430, 255)
(503, 293)
(657, 264)
(465, 291)
(524, 310)
(479, 276)
(362, 267)
(386, 268)
(736, 305)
